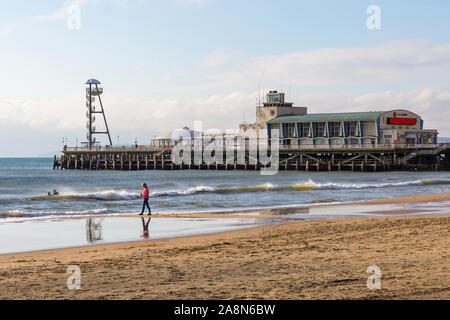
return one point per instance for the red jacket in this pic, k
(146, 194)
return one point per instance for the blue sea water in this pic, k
(24, 184)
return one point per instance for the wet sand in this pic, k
(410, 199)
(321, 259)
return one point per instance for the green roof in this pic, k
(317, 117)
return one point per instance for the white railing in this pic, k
(114, 149)
(251, 146)
(359, 146)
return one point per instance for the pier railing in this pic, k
(369, 146)
(113, 149)
(250, 146)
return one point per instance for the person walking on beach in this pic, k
(145, 195)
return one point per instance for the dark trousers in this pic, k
(145, 204)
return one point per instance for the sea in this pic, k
(25, 183)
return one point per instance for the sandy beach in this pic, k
(322, 259)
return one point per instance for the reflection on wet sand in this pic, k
(286, 211)
(94, 230)
(145, 233)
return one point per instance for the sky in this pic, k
(165, 64)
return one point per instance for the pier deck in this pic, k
(307, 158)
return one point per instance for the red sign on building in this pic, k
(404, 121)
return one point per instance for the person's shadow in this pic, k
(146, 233)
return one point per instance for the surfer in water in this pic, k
(55, 193)
(145, 195)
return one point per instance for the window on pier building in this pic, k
(319, 129)
(304, 129)
(351, 127)
(335, 129)
(290, 130)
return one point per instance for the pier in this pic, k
(354, 141)
(315, 158)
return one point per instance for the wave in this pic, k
(183, 192)
(102, 195)
(270, 187)
(339, 186)
(121, 195)
(308, 186)
(33, 214)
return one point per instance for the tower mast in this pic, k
(93, 90)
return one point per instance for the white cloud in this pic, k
(6, 31)
(37, 114)
(160, 115)
(226, 111)
(384, 64)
